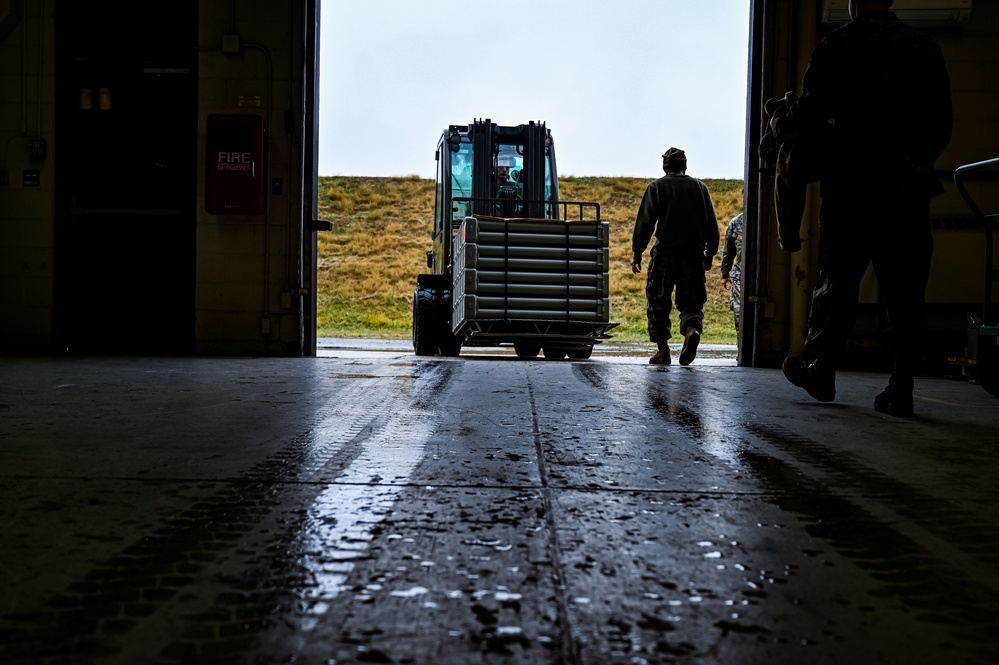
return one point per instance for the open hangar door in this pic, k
(777, 285)
(310, 184)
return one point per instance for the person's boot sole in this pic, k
(689, 350)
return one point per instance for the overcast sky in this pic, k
(617, 81)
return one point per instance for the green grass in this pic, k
(368, 264)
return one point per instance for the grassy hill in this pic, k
(381, 232)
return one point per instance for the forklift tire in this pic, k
(556, 353)
(580, 353)
(988, 370)
(527, 350)
(425, 326)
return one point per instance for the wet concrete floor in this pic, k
(369, 506)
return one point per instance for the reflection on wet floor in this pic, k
(678, 401)
(341, 520)
(384, 508)
(724, 355)
(905, 571)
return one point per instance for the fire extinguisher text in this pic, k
(234, 161)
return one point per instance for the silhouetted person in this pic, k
(884, 90)
(731, 264)
(678, 210)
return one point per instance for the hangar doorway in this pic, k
(379, 296)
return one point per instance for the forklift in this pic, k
(511, 264)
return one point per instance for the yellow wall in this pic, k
(972, 53)
(26, 213)
(247, 266)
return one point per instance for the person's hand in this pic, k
(707, 263)
(636, 264)
(727, 283)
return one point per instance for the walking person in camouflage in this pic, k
(677, 209)
(884, 91)
(731, 264)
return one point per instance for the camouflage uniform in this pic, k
(731, 264)
(678, 210)
(884, 88)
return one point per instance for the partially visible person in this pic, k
(731, 264)
(883, 89)
(677, 210)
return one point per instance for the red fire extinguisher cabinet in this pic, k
(235, 178)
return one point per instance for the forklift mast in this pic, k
(528, 152)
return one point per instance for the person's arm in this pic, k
(645, 225)
(728, 253)
(713, 237)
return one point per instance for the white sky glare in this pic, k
(617, 82)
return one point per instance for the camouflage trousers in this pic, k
(736, 275)
(682, 270)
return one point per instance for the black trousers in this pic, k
(891, 231)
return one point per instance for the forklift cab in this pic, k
(487, 169)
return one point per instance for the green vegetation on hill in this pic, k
(381, 232)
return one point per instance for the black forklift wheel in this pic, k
(425, 338)
(580, 353)
(556, 353)
(987, 370)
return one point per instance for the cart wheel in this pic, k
(580, 353)
(554, 353)
(988, 371)
(425, 340)
(527, 350)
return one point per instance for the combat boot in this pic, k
(661, 357)
(688, 352)
(896, 398)
(818, 377)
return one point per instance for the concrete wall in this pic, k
(26, 212)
